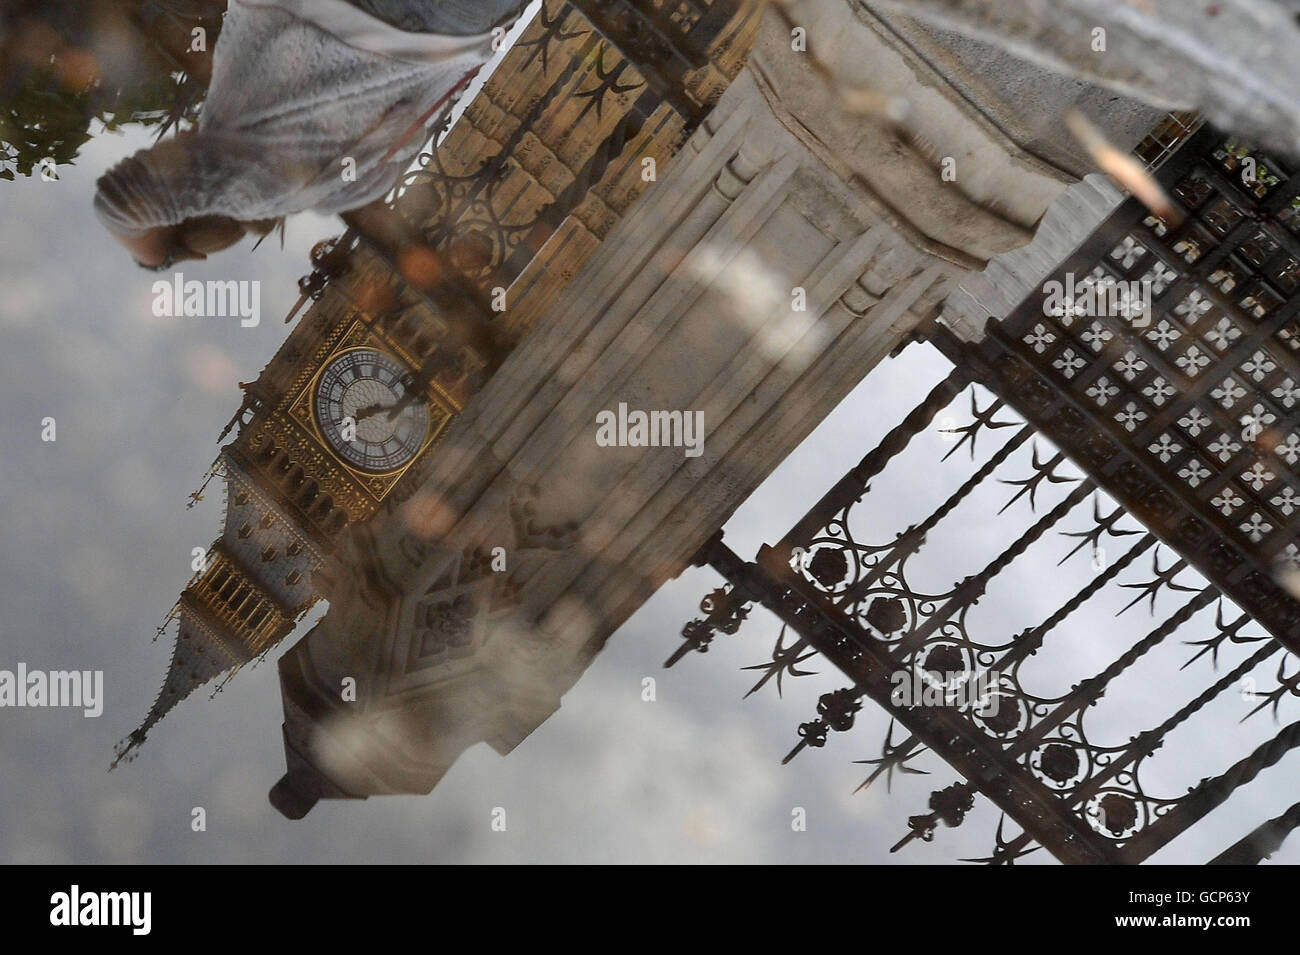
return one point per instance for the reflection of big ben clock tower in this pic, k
(523, 188)
(326, 433)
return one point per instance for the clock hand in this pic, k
(393, 409)
(412, 387)
(369, 411)
(402, 404)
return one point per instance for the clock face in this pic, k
(355, 398)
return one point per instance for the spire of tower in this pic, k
(198, 655)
